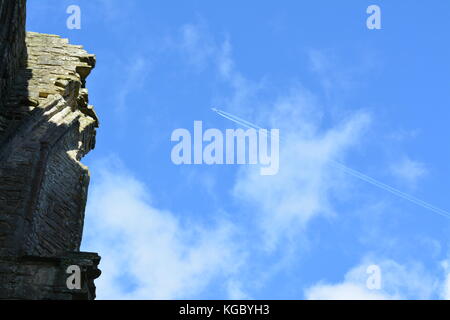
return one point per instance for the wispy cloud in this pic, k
(445, 293)
(287, 201)
(398, 281)
(408, 171)
(235, 291)
(343, 291)
(201, 51)
(197, 45)
(134, 76)
(302, 188)
(147, 252)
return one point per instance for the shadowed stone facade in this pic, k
(12, 38)
(46, 127)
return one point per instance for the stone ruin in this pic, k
(46, 127)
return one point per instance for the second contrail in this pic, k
(349, 171)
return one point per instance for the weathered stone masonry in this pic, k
(46, 127)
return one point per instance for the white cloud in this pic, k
(336, 76)
(202, 51)
(197, 45)
(163, 256)
(301, 189)
(285, 202)
(235, 291)
(403, 134)
(408, 281)
(445, 293)
(408, 171)
(134, 75)
(343, 291)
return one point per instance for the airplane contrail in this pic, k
(348, 170)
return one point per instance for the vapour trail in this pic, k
(349, 171)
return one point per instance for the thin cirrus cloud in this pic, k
(397, 281)
(301, 190)
(165, 261)
(286, 202)
(408, 171)
(172, 258)
(147, 252)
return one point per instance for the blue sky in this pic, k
(376, 100)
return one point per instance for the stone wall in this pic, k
(12, 43)
(46, 127)
(52, 129)
(44, 278)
